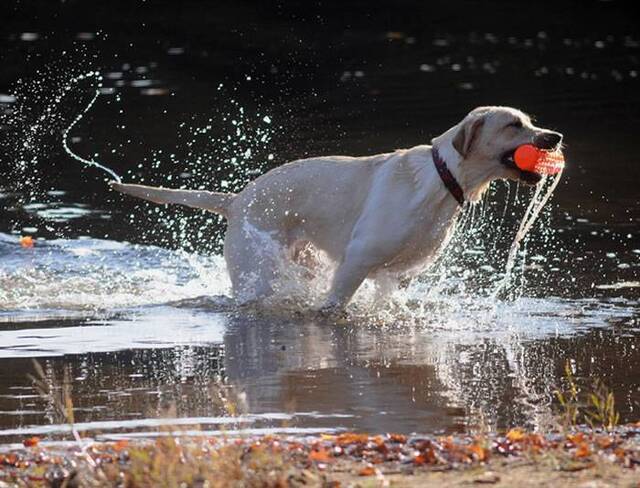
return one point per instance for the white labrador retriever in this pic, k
(383, 217)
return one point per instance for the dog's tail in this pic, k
(206, 200)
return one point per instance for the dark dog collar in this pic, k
(447, 178)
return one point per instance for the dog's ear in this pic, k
(468, 132)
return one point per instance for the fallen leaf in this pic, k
(321, 456)
(515, 435)
(420, 459)
(397, 438)
(426, 457)
(11, 459)
(378, 440)
(536, 440)
(447, 442)
(479, 452)
(583, 450)
(121, 444)
(620, 453)
(576, 438)
(604, 442)
(367, 471)
(31, 442)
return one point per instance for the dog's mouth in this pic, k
(528, 177)
(547, 141)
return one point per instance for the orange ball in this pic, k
(26, 241)
(526, 157)
(529, 158)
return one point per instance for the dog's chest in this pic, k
(426, 239)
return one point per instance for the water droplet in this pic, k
(29, 36)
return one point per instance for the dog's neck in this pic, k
(474, 180)
(447, 178)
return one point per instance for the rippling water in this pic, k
(128, 302)
(146, 333)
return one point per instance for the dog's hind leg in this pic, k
(253, 258)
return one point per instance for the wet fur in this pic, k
(383, 217)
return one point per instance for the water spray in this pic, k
(65, 134)
(538, 201)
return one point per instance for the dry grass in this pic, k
(169, 463)
(600, 453)
(592, 404)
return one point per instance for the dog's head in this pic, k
(485, 142)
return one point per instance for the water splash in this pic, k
(42, 108)
(538, 201)
(220, 150)
(65, 134)
(85, 275)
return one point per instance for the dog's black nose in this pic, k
(547, 140)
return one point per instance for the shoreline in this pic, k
(580, 457)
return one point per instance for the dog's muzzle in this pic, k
(547, 140)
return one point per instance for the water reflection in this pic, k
(277, 372)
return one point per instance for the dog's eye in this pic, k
(516, 124)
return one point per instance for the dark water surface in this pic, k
(128, 302)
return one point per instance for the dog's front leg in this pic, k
(352, 271)
(346, 280)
